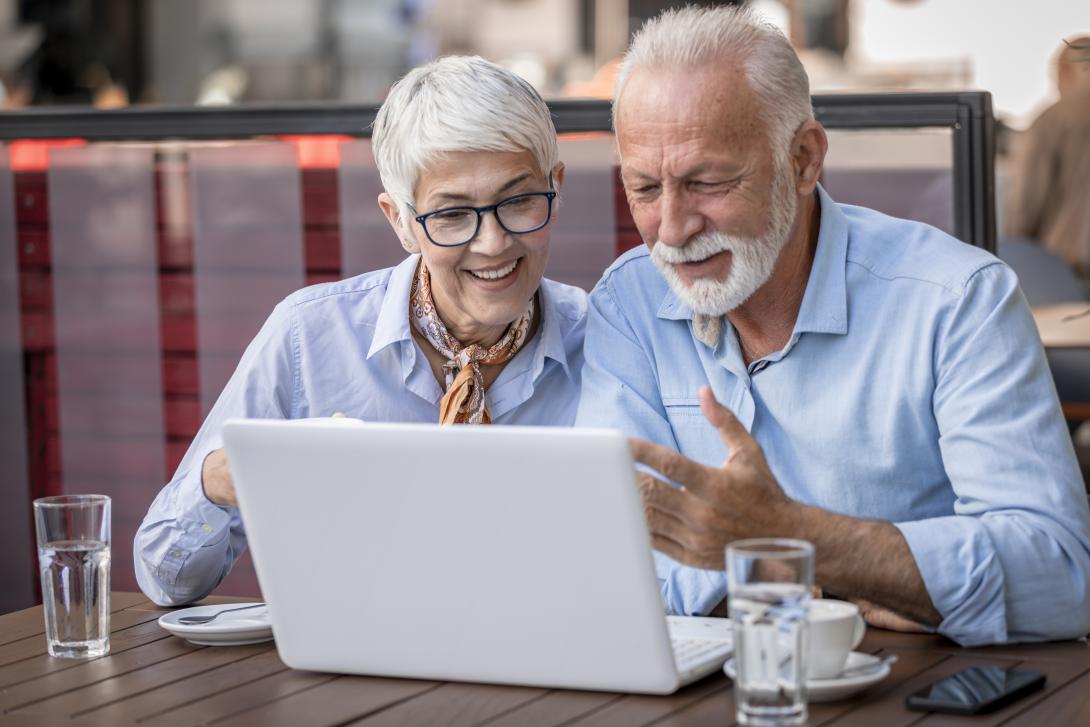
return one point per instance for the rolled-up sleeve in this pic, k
(186, 544)
(1013, 561)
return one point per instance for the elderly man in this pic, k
(884, 393)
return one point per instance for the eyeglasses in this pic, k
(454, 226)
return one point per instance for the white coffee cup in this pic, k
(835, 629)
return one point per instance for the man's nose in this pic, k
(679, 220)
(491, 238)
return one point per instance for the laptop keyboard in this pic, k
(697, 657)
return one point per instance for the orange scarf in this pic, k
(463, 402)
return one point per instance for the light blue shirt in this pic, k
(341, 347)
(913, 389)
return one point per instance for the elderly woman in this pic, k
(464, 330)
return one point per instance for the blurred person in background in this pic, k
(1049, 201)
(465, 330)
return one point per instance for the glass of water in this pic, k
(769, 582)
(74, 564)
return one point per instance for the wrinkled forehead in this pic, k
(708, 105)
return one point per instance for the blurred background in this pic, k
(116, 52)
(170, 169)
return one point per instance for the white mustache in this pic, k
(697, 249)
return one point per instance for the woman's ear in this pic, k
(558, 176)
(390, 209)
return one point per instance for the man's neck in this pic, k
(764, 322)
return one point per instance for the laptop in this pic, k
(500, 554)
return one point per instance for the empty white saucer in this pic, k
(237, 628)
(830, 690)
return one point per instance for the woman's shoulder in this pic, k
(567, 301)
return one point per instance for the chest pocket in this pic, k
(696, 438)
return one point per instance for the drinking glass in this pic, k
(74, 563)
(769, 583)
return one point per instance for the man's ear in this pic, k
(389, 208)
(808, 151)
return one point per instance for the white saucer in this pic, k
(830, 690)
(231, 629)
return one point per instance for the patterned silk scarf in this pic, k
(463, 402)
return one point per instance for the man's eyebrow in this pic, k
(441, 196)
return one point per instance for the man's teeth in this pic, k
(494, 274)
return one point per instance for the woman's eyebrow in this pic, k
(442, 196)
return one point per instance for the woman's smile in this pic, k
(495, 277)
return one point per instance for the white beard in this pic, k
(752, 259)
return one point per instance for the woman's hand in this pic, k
(219, 486)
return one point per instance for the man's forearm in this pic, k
(867, 559)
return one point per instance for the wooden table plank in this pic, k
(1068, 705)
(35, 645)
(101, 693)
(240, 699)
(161, 680)
(890, 710)
(120, 641)
(178, 694)
(1075, 650)
(455, 705)
(30, 621)
(92, 671)
(1058, 674)
(633, 709)
(907, 666)
(553, 708)
(333, 702)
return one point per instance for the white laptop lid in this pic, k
(496, 554)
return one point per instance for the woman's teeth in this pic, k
(494, 274)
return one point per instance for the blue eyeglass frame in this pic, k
(550, 196)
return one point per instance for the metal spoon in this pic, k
(867, 669)
(194, 620)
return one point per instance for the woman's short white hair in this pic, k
(689, 37)
(457, 103)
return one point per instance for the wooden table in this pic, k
(155, 678)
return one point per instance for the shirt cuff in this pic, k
(688, 591)
(957, 560)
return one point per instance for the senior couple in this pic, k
(803, 368)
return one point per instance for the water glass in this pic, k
(74, 564)
(769, 583)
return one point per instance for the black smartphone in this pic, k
(976, 690)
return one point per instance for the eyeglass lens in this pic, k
(457, 225)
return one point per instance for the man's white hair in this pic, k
(457, 103)
(691, 37)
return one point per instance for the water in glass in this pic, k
(75, 594)
(769, 637)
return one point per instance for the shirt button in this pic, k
(176, 553)
(206, 527)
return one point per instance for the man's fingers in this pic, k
(661, 496)
(667, 462)
(697, 559)
(731, 431)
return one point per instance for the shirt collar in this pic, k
(392, 325)
(552, 344)
(824, 306)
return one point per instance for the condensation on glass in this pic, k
(17, 577)
(247, 248)
(106, 323)
(905, 173)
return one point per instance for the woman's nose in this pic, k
(491, 238)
